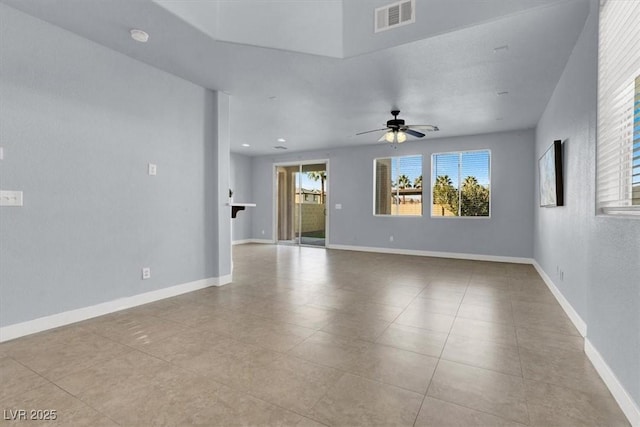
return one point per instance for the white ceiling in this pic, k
(318, 84)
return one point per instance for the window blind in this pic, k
(618, 142)
(461, 184)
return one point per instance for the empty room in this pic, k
(320, 213)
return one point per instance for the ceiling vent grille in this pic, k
(395, 15)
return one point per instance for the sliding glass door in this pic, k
(301, 204)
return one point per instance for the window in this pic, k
(460, 184)
(618, 143)
(398, 186)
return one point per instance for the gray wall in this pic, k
(80, 122)
(241, 185)
(507, 233)
(600, 256)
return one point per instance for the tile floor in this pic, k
(312, 337)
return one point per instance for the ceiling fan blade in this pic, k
(369, 131)
(414, 133)
(428, 128)
(382, 138)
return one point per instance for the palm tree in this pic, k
(475, 198)
(319, 176)
(403, 182)
(445, 194)
(417, 183)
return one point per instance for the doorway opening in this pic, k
(301, 204)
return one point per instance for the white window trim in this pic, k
(373, 200)
(609, 82)
(490, 186)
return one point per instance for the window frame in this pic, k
(606, 206)
(375, 171)
(432, 183)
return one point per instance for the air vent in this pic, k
(279, 147)
(395, 15)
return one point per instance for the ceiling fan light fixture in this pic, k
(389, 136)
(401, 137)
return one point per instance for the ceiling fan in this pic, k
(397, 131)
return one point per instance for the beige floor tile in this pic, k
(553, 404)
(174, 398)
(276, 337)
(454, 295)
(356, 327)
(16, 378)
(480, 389)
(390, 365)
(533, 338)
(419, 340)
(483, 354)
(227, 407)
(135, 330)
(544, 317)
(69, 355)
(426, 320)
(293, 383)
(308, 422)
(437, 413)
(192, 314)
(434, 306)
(42, 341)
(566, 368)
(312, 337)
(497, 313)
(356, 401)
(226, 360)
(330, 350)
(119, 376)
(69, 411)
(495, 332)
(491, 298)
(305, 316)
(393, 299)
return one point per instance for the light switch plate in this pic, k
(10, 198)
(153, 169)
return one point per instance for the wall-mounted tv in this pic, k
(550, 171)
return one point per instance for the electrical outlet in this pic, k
(146, 273)
(391, 238)
(153, 169)
(262, 231)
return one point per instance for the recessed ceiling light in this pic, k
(501, 49)
(502, 93)
(139, 35)
(282, 140)
(246, 145)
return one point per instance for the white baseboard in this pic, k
(241, 242)
(627, 404)
(575, 318)
(265, 241)
(18, 330)
(454, 255)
